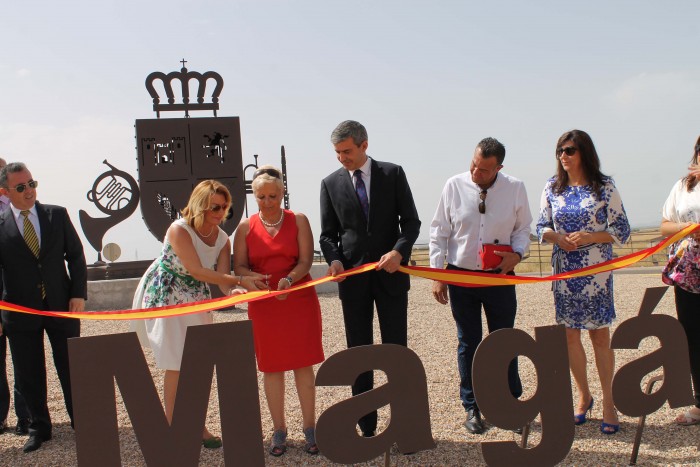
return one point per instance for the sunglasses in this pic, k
(482, 203)
(569, 151)
(22, 186)
(697, 148)
(271, 172)
(217, 207)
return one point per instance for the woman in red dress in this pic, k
(286, 328)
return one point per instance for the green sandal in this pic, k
(212, 443)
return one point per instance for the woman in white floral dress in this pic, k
(581, 213)
(195, 251)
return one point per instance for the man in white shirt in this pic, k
(482, 206)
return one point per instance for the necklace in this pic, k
(207, 235)
(268, 224)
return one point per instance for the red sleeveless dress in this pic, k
(287, 332)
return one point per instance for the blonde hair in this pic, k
(200, 200)
(263, 176)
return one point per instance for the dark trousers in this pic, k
(499, 305)
(20, 406)
(30, 368)
(688, 310)
(358, 314)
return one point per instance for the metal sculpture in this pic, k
(114, 198)
(175, 154)
(249, 181)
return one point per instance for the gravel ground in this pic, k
(432, 336)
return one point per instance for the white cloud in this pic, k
(22, 72)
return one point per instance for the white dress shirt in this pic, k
(33, 218)
(458, 228)
(366, 175)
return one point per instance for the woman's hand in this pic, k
(283, 284)
(694, 170)
(565, 243)
(254, 281)
(580, 238)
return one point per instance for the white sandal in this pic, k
(688, 418)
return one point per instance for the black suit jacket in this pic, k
(23, 273)
(348, 237)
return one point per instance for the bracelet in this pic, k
(240, 279)
(288, 279)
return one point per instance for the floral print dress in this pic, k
(167, 282)
(583, 302)
(683, 269)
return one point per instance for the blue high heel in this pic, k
(580, 418)
(603, 426)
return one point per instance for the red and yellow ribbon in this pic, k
(463, 278)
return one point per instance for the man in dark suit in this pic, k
(36, 242)
(22, 427)
(368, 215)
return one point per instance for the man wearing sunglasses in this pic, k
(482, 206)
(368, 215)
(21, 411)
(37, 241)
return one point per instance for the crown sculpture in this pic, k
(175, 154)
(184, 76)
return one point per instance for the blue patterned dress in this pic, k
(583, 302)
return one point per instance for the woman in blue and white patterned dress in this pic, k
(581, 213)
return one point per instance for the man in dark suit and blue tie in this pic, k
(368, 215)
(37, 241)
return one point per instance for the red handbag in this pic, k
(489, 259)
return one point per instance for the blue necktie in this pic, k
(361, 191)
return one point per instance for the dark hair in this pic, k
(11, 168)
(590, 163)
(349, 129)
(491, 147)
(689, 180)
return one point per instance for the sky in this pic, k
(428, 80)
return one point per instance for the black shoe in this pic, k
(473, 423)
(369, 434)
(3, 425)
(34, 442)
(22, 427)
(518, 431)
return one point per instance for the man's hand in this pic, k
(509, 261)
(334, 269)
(76, 304)
(390, 262)
(440, 292)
